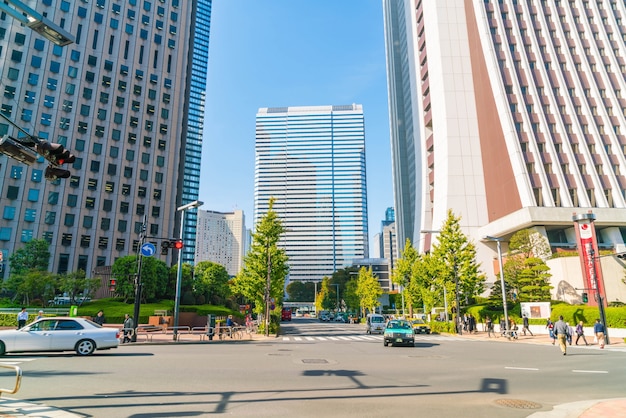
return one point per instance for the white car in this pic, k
(59, 334)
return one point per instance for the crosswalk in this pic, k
(360, 338)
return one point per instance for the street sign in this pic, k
(148, 249)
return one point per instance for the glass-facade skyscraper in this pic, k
(312, 161)
(127, 98)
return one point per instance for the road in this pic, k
(331, 370)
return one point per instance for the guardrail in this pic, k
(18, 379)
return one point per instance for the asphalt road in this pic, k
(330, 370)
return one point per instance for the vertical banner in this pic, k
(589, 256)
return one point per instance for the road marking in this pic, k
(590, 371)
(297, 338)
(521, 368)
(310, 338)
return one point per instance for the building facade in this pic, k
(510, 113)
(312, 161)
(221, 238)
(127, 99)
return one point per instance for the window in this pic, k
(69, 219)
(71, 200)
(124, 207)
(105, 224)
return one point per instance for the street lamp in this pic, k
(179, 272)
(506, 315)
(37, 22)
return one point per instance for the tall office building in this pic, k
(312, 161)
(221, 238)
(127, 99)
(509, 113)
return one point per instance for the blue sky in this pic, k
(275, 53)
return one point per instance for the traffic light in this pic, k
(173, 243)
(112, 284)
(585, 297)
(57, 155)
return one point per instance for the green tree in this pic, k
(299, 291)
(264, 256)
(402, 275)
(368, 290)
(154, 277)
(325, 298)
(211, 281)
(534, 281)
(350, 296)
(529, 243)
(32, 286)
(34, 255)
(455, 256)
(186, 282)
(77, 283)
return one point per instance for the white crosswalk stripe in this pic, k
(367, 338)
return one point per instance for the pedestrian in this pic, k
(570, 333)
(502, 327)
(525, 326)
(550, 326)
(99, 318)
(561, 329)
(513, 329)
(22, 317)
(599, 330)
(580, 332)
(39, 315)
(129, 326)
(489, 325)
(472, 324)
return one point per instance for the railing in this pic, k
(18, 379)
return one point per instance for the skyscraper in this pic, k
(509, 113)
(127, 99)
(222, 238)
(312, 161)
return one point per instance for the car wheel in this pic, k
(85, 347)
(385, 343)
(3, 349)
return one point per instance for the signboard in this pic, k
(148, 249)
(536, 310)
(589, 256)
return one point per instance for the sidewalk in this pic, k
(605, 408)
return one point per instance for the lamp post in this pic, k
(506, 315)
(179, 271)
(337, 296)
(37, 22)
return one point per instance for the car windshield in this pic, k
(418, 321)
(399, 324)
(378, 319)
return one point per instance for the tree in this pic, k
(264, 256)
(455, 256)
(534, 281)
(211, 281)
(154, 277)
(34, 255)
(324, 300)
(77, 283)
(530, 243)
(403, 272)
(32, 286)
(368, 290)
(299, 291)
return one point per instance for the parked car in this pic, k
(374, 323)
(420, 327)
(324, 317)
(285, 315)
(59, 334)
(398, 331)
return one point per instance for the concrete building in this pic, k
(127, 98)
(509, 113)
(221, 238)
(312, 161)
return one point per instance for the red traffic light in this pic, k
(55, 153)
(178, 245)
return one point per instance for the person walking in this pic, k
(550, 326)
(22, 317)
(525, 326)
(489, 325)
(561, 329)
(599, 330)
(129, 326)
(580, 332)
(570, 333)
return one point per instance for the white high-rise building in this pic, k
(221, 238)
(312, 161)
